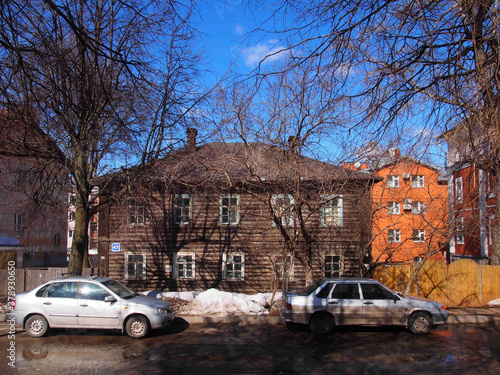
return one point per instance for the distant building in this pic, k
(472, 197)
(33, 217)
(410, 210)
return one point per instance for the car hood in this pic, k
(149, 301)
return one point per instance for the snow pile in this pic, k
(494, 303)
(215, 302)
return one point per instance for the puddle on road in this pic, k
(33, 355)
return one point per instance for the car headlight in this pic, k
(162, 310)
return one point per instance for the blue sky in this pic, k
(224, 27)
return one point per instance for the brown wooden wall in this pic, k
(255, 236)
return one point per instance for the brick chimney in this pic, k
(191, 139)
(293, 143)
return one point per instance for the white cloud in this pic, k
(270, 50)
(239, 30)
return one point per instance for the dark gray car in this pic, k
(347, 301)
(82, 302)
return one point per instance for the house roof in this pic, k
(230, 164)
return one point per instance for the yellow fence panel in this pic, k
(462, 283)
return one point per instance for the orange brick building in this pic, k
(410, 212)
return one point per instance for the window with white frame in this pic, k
(393, 181)
(283, 267)
(393, 208)
(135, 266)
(233, 266)
(459, 222)
(332, 211)
(284, 209)
(418, 235)
(136, 211)
(18, 222)
(229, 209)
(459, 189)
(184, 266)
(71, 216)
(182, 209)
(333, 265)
(418, 208)
(394, 235)
(417, 181)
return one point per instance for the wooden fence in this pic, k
(461, 283)
(29, 278)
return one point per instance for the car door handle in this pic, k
(368, 303)
(333, 303)
(84, 305)
(47, 303)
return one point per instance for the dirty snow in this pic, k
(215, 302)
(494, 303)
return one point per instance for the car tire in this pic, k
(137, 326)
(36, 326)
(321, 324)
(420, 323)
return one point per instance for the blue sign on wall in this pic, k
(115, 247)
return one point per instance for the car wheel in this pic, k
(36, 326)
(137, 327)
(420, 323)
(321, 324)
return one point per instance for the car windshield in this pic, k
(312, 287)
(120, 289)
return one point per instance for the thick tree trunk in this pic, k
(79, 255)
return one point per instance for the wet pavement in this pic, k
(242, 348)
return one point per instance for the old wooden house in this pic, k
(245, 217)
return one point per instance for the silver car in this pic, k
(347, 301)
(83, 302)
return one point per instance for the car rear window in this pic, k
(323, 293)
(42, 290)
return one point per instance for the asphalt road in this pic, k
(255, 349)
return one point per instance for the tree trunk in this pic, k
(79, 255)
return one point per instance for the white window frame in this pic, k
(459, 189)
(181, 219)
(418, 181)
(230, 208)
(229, 260)
(279, 267)
(418, 208)
(418, 235)
(393, 208)
(332, 215)
(393, 181)
(394, 236)
(177, 274)
(333, 272)
(136, 262)
(286, 215)
(137, 208)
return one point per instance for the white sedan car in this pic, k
(350, 301)
(96, 303)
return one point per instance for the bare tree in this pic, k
(393, 60)
(294, 111)
(83, 82)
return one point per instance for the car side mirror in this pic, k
(109, 299)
